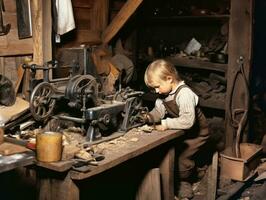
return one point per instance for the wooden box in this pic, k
(240, 168)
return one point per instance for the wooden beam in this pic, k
(42, 32)
(239, 44)
(120, 19)
(99, 15)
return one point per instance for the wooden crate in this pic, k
(240, 168)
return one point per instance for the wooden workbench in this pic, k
(136, 170)
(14, 156)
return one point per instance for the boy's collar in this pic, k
(178, 85)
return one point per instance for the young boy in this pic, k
(178, 110)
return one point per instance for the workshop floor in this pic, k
(253, 190)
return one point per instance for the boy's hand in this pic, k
(143, 118)
(160, 127)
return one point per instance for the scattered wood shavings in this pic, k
(82, 154)
(146, 128)
(71, 137)
(69, 151)
(134, 139)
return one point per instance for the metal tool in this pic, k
(4, 29)
(86, 165)
(239, 116)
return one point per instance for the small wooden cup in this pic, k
(49, 146)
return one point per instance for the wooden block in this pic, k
(150, 188)
(9, 149)
(8, 113)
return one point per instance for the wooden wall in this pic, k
(91, 18)
(9, 66)
(10, 44)
(13, 51)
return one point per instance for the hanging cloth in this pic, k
(65, 17)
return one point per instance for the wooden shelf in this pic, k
(187, 18)
(197, 64)
(211, 103)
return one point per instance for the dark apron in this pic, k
(195, 137)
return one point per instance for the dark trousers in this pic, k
(187, 153)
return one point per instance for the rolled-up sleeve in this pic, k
(158, 112)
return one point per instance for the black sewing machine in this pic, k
(97, 114)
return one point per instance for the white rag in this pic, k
(65, 17)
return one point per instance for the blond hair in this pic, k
(159, 70)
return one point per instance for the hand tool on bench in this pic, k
(85, 165)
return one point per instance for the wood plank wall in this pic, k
(13, 51)
(91, 18)
(9, 66)
(10, 44)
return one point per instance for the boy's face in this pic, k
(163, 86)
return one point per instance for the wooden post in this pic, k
(212, 177)
(150, 188)
(239, 44)
(57, 188)
(99, 15)
(42, 32)
(167, 174)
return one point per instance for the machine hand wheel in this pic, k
(78, 86)
(41, 101)
(132, 108)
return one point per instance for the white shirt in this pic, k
(186, 100)
(65, 21)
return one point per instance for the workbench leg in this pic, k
(150, 188)
(212, 178)
(167, 174)
(55, 189)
